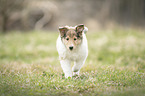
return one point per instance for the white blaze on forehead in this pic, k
(69, 27)
(72, 45)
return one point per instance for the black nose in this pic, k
(71, 47)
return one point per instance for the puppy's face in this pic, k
(71, 37)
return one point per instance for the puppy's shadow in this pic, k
(80, 77)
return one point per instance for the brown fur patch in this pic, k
(71, 36)
(71, 39)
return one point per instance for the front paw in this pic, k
(68, 75)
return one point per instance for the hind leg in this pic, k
(77, 66)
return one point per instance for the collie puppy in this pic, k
(72, 47)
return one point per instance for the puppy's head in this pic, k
(71, 36)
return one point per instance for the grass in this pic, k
(29, 65)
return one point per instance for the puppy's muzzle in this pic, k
(71, 47)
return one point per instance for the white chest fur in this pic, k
(81, 52)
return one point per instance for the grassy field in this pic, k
(29, 65)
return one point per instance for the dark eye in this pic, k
(67, 39)
(75, 39)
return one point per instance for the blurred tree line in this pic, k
(7, 7)
(49, 14)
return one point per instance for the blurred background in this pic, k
(49, 14)
(29, 62)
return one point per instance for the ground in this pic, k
(29, 65)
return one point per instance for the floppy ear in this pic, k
(79, 29)
(63, 31)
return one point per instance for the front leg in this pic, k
(77, 66)
(66, 66)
